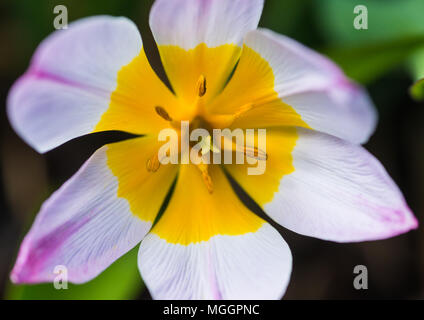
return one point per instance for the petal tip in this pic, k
(16, 114)
(18, 277)
(14, 277)
(22, 271)
(413, 223)
(407, 223)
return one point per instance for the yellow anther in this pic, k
(153, 163)
(201, 86)
(162, 112)
(206, 177)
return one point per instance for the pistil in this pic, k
(206, 177)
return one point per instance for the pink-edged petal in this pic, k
(335, 190)
(188, 23)
(296, 77)
(339, 192)
(316, 87)
(48, 113)
(90, 222)
(68, 85)
(255, 265)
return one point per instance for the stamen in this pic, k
(243, 110)
(162, 112)
(153, 163)
(206, 177)
(201, 86)
(226, 120)
(248, 151)
(254, 152)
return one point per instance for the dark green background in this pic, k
(387, 58)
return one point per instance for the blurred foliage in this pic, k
(417, 90)
(366, 63)
(287, 23)
(417, 64)
(120, 281)
(417, 68)
(387, 20)
(395, 32)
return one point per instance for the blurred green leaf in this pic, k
(120, 281)
(417, 64)
(283, 16)
(387, 20)
(417, 68)
(417, 90)
(366, 63)
(395, 33)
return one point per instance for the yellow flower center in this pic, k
(202, 95)
(208, 122)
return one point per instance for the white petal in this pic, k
(315, 87)
(250, 266)
(90, 221)
(187, 23)
(339, 192)
(69, 83)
